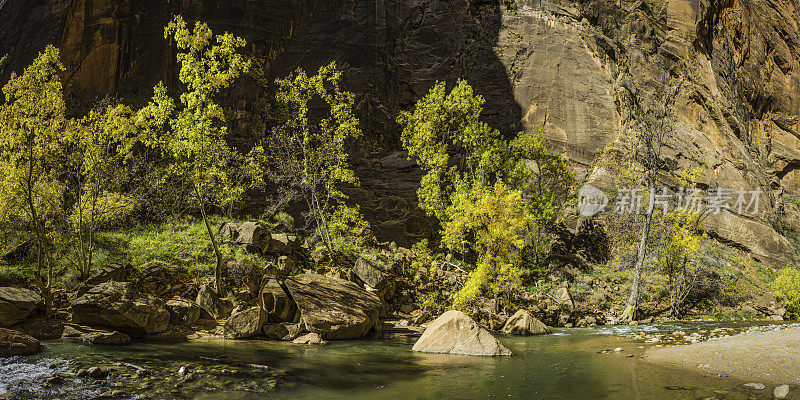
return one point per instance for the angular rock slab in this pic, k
(94, 336)
(277, 303)
(523, 323)
(246, 323)
(17, 304)
(183, 312)
(456, 333)
(334, 308)
(14, 343)
(116, 305)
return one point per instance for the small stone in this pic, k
(182, 370)
(781, 392)
(755, 385)
(311, 338)
(618, 349)
(97, 372)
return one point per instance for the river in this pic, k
(572, 364)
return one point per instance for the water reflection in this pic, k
(571, 365)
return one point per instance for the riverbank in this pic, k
(765, 355)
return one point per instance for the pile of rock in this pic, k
(332, 308)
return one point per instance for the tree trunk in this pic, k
(218, 267)
(633, 299)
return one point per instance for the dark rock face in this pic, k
(17, 304)
(119, 306)
(334, 308)
(13, 343)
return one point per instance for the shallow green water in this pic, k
(567, 365)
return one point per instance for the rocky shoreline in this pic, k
(764, 357)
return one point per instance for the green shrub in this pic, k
(787, 286)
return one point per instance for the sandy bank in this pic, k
(767, 357)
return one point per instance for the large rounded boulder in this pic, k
(17, 304)
(117, 305)
(456, 333)
(334, 308)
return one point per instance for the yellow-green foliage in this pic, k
(193, 135)
(305, 153)
(497, 199)
(787, 286)
(490, 221)
(425, 270)
(32, 123)
(677, 237)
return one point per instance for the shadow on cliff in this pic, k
(391, 51)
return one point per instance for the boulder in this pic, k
(334, 308)
(310, 338)
(14, 343)
(770, 305)
(253, 236)
(229, 230)
(282, 331)
(245, 323)
(161, 280)
(94, 336)
(456, 333)
(372, 273)
(117, 305)
(113, 272)
(209, 301)
(281, 244)
(17, 304)
(183, 312)
(564, 297)
(523, 323)
(277, 303)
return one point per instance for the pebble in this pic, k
(618, 349)
(781, 392)
(754, 385)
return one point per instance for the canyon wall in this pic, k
(568, 67)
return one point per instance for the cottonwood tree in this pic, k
(493, 197)
(304, 152)
(192, 134)
(651, 121)
(102, 143)
(33, 124)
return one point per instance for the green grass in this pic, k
(180, 243)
